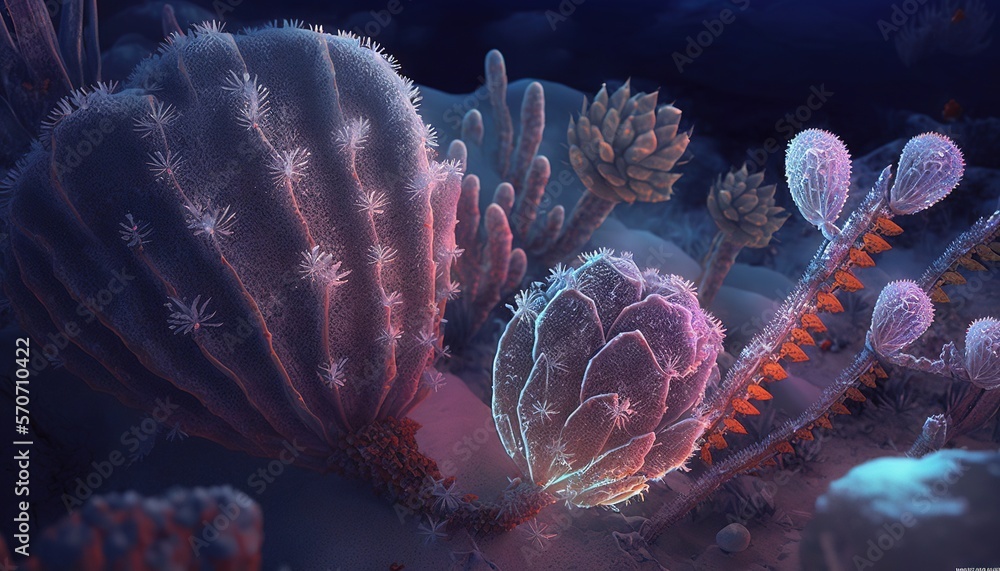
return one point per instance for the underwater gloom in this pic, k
(427, 285)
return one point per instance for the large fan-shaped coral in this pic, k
(594, 375)
(275, 232)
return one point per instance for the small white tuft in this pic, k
(434, 381)
(373, 202)
(428, 133)
(391, 335)
(379, 254)
(319, 265)
(353, 135)
(186, 319)
(210, 220)
(253, 95)
(450, 291)
(164, 165)
(134, 232)
(333, 374)
(392, 299)
(208, 27)
(288, 167)
(156, 119)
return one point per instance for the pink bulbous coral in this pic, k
(595, 377)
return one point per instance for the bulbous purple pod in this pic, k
(982, 353)
(902, 314)
(818, 171)
(929, 169)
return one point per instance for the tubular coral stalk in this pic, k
(532, 130)
(720, 261)
(588, 215)
(496, 83)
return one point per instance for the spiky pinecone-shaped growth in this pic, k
(743, 209)
(624, 148)
(746, 216)
(252, 232)
(594, 377)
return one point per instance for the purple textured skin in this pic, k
(320, 290)
(818, 170)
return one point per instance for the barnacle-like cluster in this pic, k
(746, 215)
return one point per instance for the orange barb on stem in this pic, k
(887, 227)
(875, 244)
(937, 295)
(800, 336)
(860, 259)
(793, 353)
(743, 406)
(773, 370)
(839, 408)
(868, 379)
(717, 440)
(846, 281)
(828, 302)
(812, 322)
(855, 395)
(784, 448)
(758, 392)
(734, 426)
